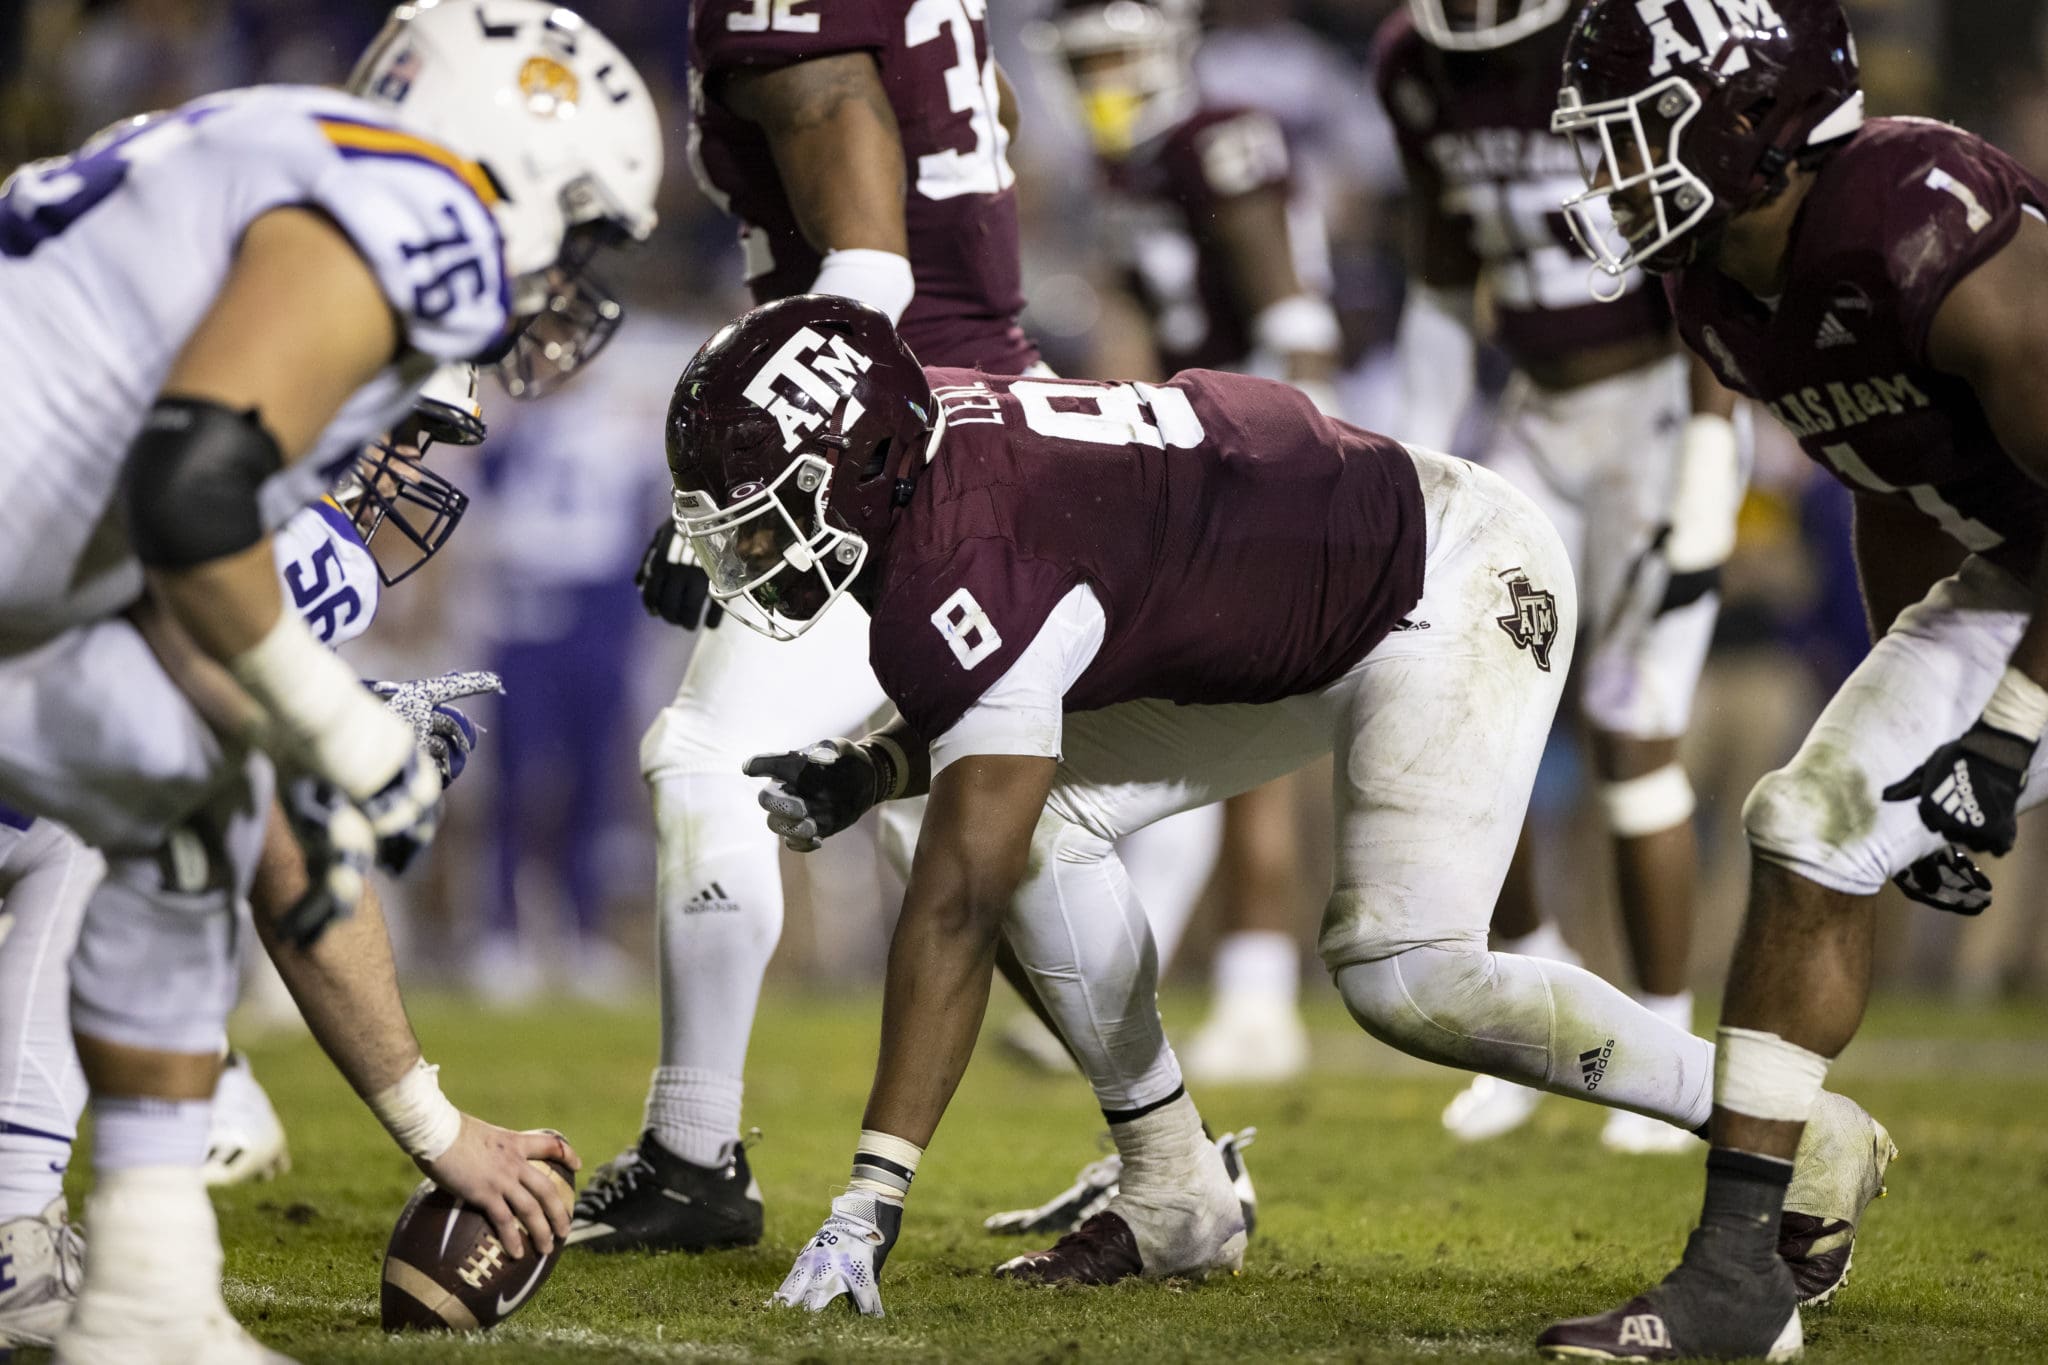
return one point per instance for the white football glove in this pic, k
(845, 1257)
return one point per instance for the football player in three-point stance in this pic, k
(210, 310)
(1878, 286)
(1598, 427)
(863, 145)
(1096, 604)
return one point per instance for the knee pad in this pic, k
(1820, 821)
(154, 968)
(1657, 801)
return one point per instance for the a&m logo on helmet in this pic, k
(1712, 19)
(806, 382)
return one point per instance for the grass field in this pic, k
(1378, 1239)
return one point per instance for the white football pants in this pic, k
(1437, 734)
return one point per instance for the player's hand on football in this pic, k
(1969, 789)
(845, 1257)
(1947, 879)
(673, 585)
(339, 846)
(493, 1169)
(815, 792)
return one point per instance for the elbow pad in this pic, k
(191, 482)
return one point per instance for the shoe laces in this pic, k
(70, 1249)
(616, 1179)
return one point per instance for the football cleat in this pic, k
(1102, 1250)
(244, 1139)
(1250, 1038)
(1708, 1308)
(1097, 1184)
(1633, 1134)
(1839, 1169)
(649, 1199)
(41, 1261)
(1489, 1108)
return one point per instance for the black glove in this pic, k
(1948, 880)
(1969, 790)
(673, 585)
(339, 846)
(817, 791)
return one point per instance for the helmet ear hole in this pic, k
(878, 461)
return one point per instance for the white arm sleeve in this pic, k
(1436, 354)
(1021, 712)
(880, 279)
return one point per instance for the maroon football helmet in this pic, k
(1126, 65)
(1687, 112)
(793, 438)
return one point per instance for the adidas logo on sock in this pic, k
(1593, 1064)
(711, 899)
(1832, 333)
(1956, 796)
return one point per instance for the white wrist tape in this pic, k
(884, 1165)
(880, 279)
(1649, 804)
(1707, 495)
(1761, 1076)
(1297, 323)
(416, 1114)
(2018, 706)
(324, 718)
(899, 774)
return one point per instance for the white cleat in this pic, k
(1839, 1169)
(246, 1140)
(1249, 1038)
(41, 1266)
(215, 1339)
(1633, 1134)
(1489, 1108)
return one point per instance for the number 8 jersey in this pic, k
(960, 198)
(109, 259)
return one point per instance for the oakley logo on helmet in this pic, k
(1669, 42)
(817, 375)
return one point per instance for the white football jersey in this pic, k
(328, 574)
(110, 257)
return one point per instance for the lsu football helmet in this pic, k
(793, 438)
(1128, 65)
(1477, 25)
(389, 484)
(1687, 112)
(564, 127)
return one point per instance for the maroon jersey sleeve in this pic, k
(732, 33)
(1953, 203)
(951, 627)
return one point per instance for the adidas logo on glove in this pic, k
(1956, 796)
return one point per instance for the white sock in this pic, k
(45, 882)
(32, 1166)
(1675, 1010)
(130, 1132)
(153, 1258)
(695, 1114)
(1542, 941)
(1260, 962)
(719, 899)
(1174, 1193)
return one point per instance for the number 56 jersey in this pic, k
(1243, 547)
(110, 258)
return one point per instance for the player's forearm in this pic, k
(836, 146)
(225, 605)
(903, 763)
(346, 983)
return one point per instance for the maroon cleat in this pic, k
(1100, 1251)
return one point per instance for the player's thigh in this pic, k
(746, 694)
(1823, 815)
(1438, 732)
(94, 734)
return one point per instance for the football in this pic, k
(446, 1271)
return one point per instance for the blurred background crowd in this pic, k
(543, 877)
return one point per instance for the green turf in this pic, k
(1378, 1239)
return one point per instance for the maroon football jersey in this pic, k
(961, 202)
(1482, 163)
(1892, 222)
(1244, 547)
(1164, 195)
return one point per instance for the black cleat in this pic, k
(1100, 1251)
(1706, 1309)
(649, 1199)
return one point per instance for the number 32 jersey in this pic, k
(960, 200)
(109, 259)
(1243, 547)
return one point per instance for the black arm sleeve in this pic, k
(191, 482)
